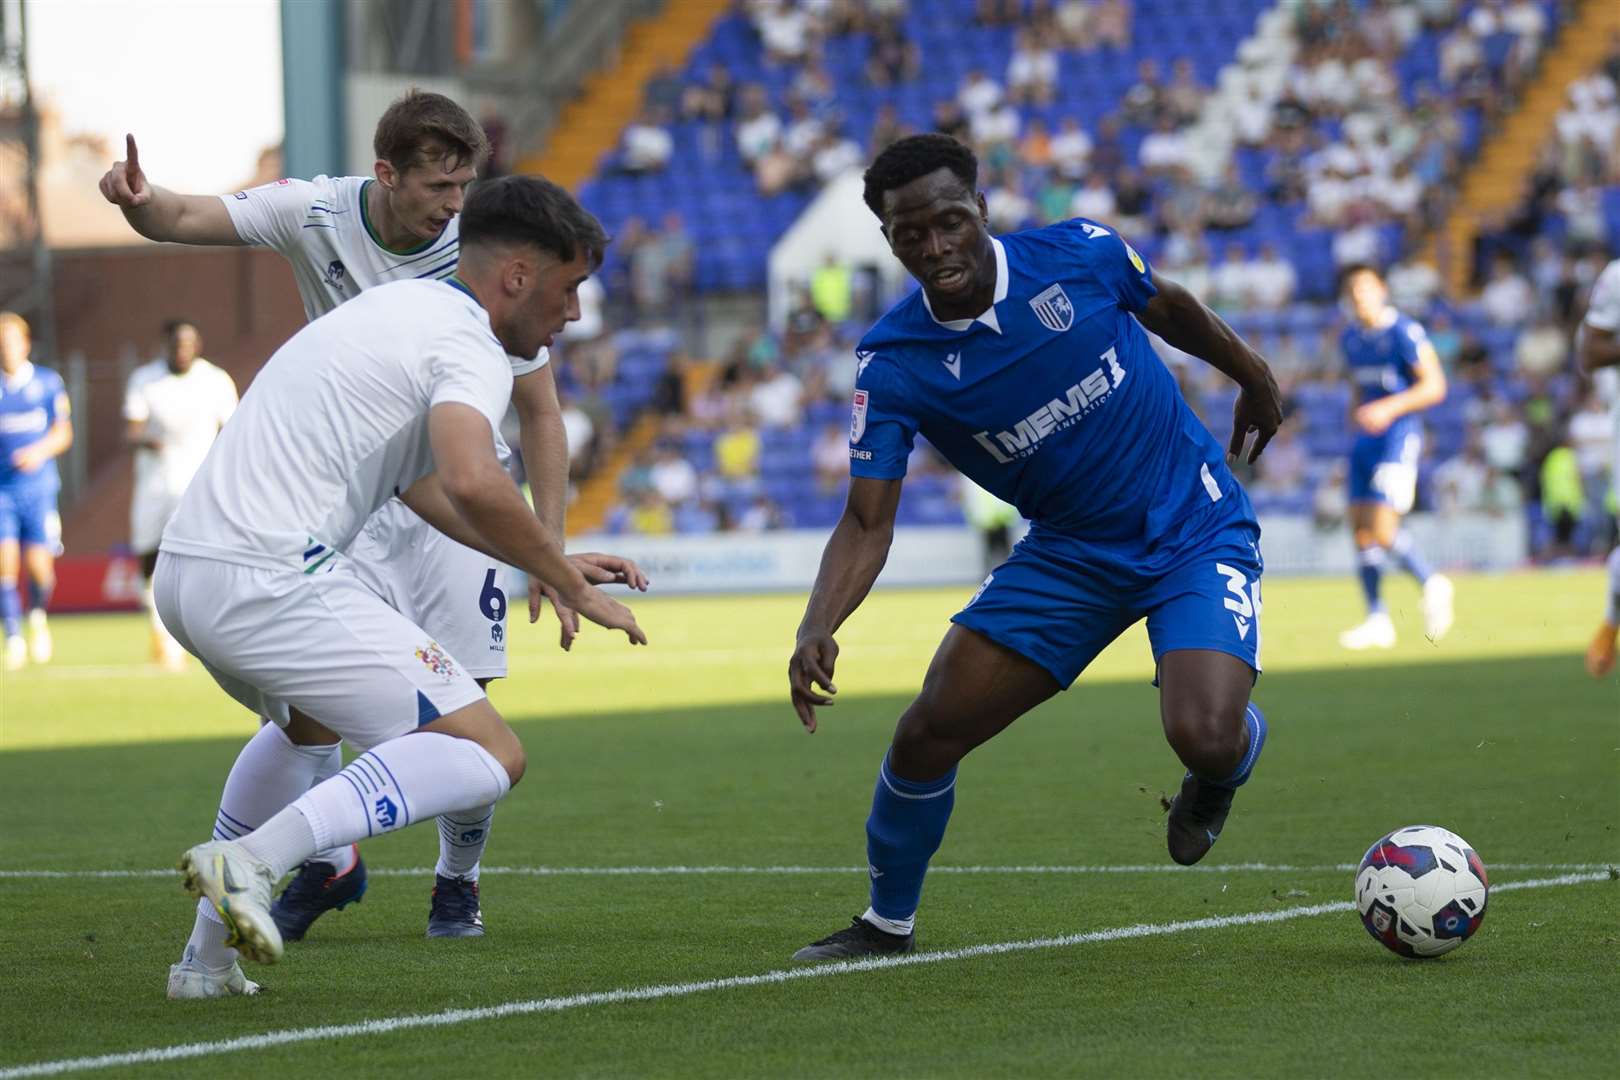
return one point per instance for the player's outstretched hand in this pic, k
(603, 610)
(567, 617)
(1259, 410)
(1374, 417)
(602, 569)
(811, 666)
(125, 184)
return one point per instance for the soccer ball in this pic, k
(1421, 891)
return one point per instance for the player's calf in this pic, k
(1198, 813)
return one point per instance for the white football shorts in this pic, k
(321, 642)
(456, 593)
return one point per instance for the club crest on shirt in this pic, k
(857, 417)
(437, 660)
(335, 273)
(1052, 307)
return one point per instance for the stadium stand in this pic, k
(1249, 150)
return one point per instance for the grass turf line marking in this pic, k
(765, 871)
(452, 1017)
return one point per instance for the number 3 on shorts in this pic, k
(492, 601)
(1240, 589)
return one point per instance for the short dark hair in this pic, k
(531, 210)
(904, 160)
(424, 127)
(1350, 270)
(172, 326)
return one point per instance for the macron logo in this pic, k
(953, 364)
(1242, 627)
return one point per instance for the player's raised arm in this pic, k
(484, 496)
(1597, 342)
(159, 214)
(1184, 321)
(854, 556)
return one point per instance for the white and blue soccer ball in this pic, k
(1421, 891)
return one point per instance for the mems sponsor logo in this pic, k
(1059, 414)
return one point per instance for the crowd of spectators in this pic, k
(1364, 137)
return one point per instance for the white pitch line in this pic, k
(768, 871)
(452, 1017)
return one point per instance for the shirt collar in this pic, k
(23, 374)
(988, 316)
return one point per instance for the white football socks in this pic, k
(899, 927)
(341, 859)
(462, 836)
(412, 778)
(270, 772)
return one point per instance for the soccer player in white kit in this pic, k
(343, 235)
(397, 393)
(174, 406)
(1598, 350)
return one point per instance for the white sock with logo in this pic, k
(412, 778)
(462, 836)
(270, 772)
(341, 859)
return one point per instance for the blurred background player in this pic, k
(342, 236)
(1397, 375)
(174, 406)
(1598, 350)
(35, 428)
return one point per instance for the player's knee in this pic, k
(1209, 739)
(922, 750)
(515, 762)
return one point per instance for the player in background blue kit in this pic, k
(34, 428)
(1397, 375)
(1024, 361)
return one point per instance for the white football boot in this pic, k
(1437, 608)
(1378, 632)
(239, 886)
(191, 980)
(16, 653)
(40, 646)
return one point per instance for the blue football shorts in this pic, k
(28, 516)
(1384, 468)
(1060, 601)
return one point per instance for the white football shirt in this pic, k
(1603, 313)
(184, 412)
(336, 423)
(321, 227)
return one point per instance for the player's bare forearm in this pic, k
(1187, 323)
(427, 499)
(854, 556)
(56, 441)
(182, 219)
(545, 447)
(492, 506)
(1597, 348)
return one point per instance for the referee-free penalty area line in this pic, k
(452, 1017)
(767, 871)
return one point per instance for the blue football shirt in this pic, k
(30, 402)
(1052, 399)
(1383, 360)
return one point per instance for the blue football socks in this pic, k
(904, 830)
(1256, 722)
(1406, 553)
(1370, 561)
(10, 608)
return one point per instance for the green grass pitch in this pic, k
(686, 754)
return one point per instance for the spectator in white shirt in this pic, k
(1032, 72)
(1164, 150)
(1071, 148)
(648, 146)
(1508, 300)
(1272, 279)
(759, 127)
(979, 93)
(777, 398)
(1230, 285)
(1094, 200)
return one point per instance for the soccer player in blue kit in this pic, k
(1397, 375)
(35, 429)
(1024, 361)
